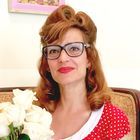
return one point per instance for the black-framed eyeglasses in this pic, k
(73, 49)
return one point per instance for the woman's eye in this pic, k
(53, 51)
(74, 49)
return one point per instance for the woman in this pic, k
(72, 86)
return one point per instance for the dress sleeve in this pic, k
(113, 125)
(119, 124)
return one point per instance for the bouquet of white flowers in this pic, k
(21, 120)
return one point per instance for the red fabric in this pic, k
(113, 125)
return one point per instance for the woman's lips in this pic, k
(65, 69)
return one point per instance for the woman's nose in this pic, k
(63, 56)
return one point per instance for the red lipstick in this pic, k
(65, 69)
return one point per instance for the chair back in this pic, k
(129, 101)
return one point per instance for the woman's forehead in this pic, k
(70, 35)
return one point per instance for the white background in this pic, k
(118, 42)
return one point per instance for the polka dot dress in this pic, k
(113, 125)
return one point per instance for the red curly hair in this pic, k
(54, 28)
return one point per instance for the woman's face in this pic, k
(66, 69)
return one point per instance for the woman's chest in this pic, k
(67, 125)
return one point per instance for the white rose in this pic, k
(24, 98)
(3, 113)
(4, 130)
(46, 118)
(15, 114)
(37, 114)
(34, 114)
(4, 119)
(4, 105)
(37, 123)
(37, 131)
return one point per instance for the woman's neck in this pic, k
(73, 97)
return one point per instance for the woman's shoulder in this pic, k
(116, 116)
(113, 112)
(113, 124)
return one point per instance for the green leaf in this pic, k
(15, 131)
(23, 137)
(11, 127)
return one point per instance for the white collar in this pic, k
(88, 126)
